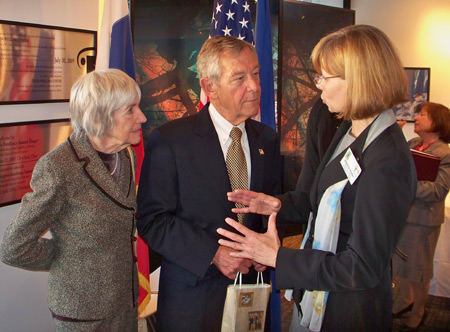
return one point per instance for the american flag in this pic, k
(230, 18)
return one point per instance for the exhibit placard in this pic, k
(40, 63)
(21, 146)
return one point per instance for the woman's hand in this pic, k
(261, 248)
(255, 202)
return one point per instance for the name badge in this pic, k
(350, 166)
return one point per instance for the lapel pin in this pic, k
(261, 152)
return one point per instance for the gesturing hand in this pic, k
(255, 202)
(261, 248)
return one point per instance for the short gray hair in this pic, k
(208, 60)
(96, 96)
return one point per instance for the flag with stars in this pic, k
(232, 18)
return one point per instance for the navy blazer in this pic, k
(373, 213)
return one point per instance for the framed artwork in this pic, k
(418, 93)
(39, 63)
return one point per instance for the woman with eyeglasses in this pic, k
(413, 258)
(360, 197)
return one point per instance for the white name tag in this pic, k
(350, 166)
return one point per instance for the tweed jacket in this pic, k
(428, 208)
(91, 219)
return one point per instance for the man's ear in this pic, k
(208, 87)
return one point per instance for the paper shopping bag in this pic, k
(245, 306)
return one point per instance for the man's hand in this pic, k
(259, 267)
(229, 266)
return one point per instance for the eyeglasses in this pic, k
(319, 78)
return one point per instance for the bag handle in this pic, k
(238, 275)
(259, 279)
(260, 275)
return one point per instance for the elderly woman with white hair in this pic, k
(83, 192)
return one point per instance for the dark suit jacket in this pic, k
(181, 203)
(374, 210)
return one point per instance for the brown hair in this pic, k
(365, 57)
(440, 117)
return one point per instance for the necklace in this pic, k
(115, 165)
(421, 148)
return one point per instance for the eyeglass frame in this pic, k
(318, 79)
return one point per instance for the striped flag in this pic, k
(115, 50)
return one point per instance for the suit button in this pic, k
(133, 238)
(136, 215)
(135, 259)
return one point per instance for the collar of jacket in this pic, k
(122, 192)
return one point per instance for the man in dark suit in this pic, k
(182, 192)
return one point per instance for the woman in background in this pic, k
(360, 198)
(413, 257)
(84, 194)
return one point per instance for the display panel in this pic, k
(40, 63)
(21, 146)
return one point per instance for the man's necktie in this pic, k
(237, 166)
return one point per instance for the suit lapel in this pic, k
(96, 171)
(211, 155)
(334, 171)
(433, 147)
(257, 158)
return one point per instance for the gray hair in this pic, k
(208, 60)
(96, 96)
